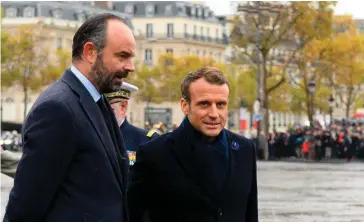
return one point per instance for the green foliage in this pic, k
(162, 82)
(23, 57)
(25, 60)
(288, 27)
(56, 68)
(247, 87)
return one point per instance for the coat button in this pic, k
(219, 211)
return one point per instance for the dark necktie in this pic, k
(107, 118)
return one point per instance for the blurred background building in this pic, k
(178, 28)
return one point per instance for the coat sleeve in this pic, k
(48, 147)
(138, 192)
(252, 206)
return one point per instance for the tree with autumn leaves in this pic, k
(345, 58)
(25, 60)
(336, 65)
(267, 26)
(162, 81)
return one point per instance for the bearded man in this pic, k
(75, 165)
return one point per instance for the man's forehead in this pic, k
(118, 31)
(114, 24)
(121, 41)
(209, 88)
(210, 96)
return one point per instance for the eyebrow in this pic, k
(130, 54)
(207, 101)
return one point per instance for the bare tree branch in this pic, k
(281, 81)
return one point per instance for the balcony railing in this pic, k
(189, 37)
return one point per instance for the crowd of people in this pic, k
(10, 140)
(341, 140)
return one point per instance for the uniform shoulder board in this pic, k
(151, 132)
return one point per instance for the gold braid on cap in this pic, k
(121, 93)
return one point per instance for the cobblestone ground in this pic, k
(309, 192)
(296, 192)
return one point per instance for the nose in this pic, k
(129, 66)
(213, 112)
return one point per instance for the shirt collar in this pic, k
(121, 122)
(88, 85)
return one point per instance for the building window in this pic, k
(9, 100)
(194, 32)
(201, 34)
(188, 51)
(181, 9)
(148, 57)
(204, 53)
(81, 17)
(219, 57)
(59, 43)
(169, 61)
(150, 10)
(168, 10)
(211, 54)
(193, 11)
(188, 11)
(129, 8)
(89, 14)
(198, 52)
(217, 34)
(199, 12)
(149, 30)
(11, 12)
(57, 13)
(170, 30)
(28, 12)
(185, 31)
(206, 13)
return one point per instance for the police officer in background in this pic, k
(133, 136)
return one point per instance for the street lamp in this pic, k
(312, 86)
(331, 102)
(312, 90)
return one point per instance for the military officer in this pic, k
(133, 136)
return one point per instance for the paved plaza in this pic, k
(309, 192)
(298, 192)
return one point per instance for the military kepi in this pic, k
(124, 92)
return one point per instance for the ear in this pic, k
(90, 52)
(185, 106)
(124, 104)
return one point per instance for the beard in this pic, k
(104, 78)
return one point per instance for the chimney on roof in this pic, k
(103, 4)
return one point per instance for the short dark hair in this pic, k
(211, 74)
(92, 30)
